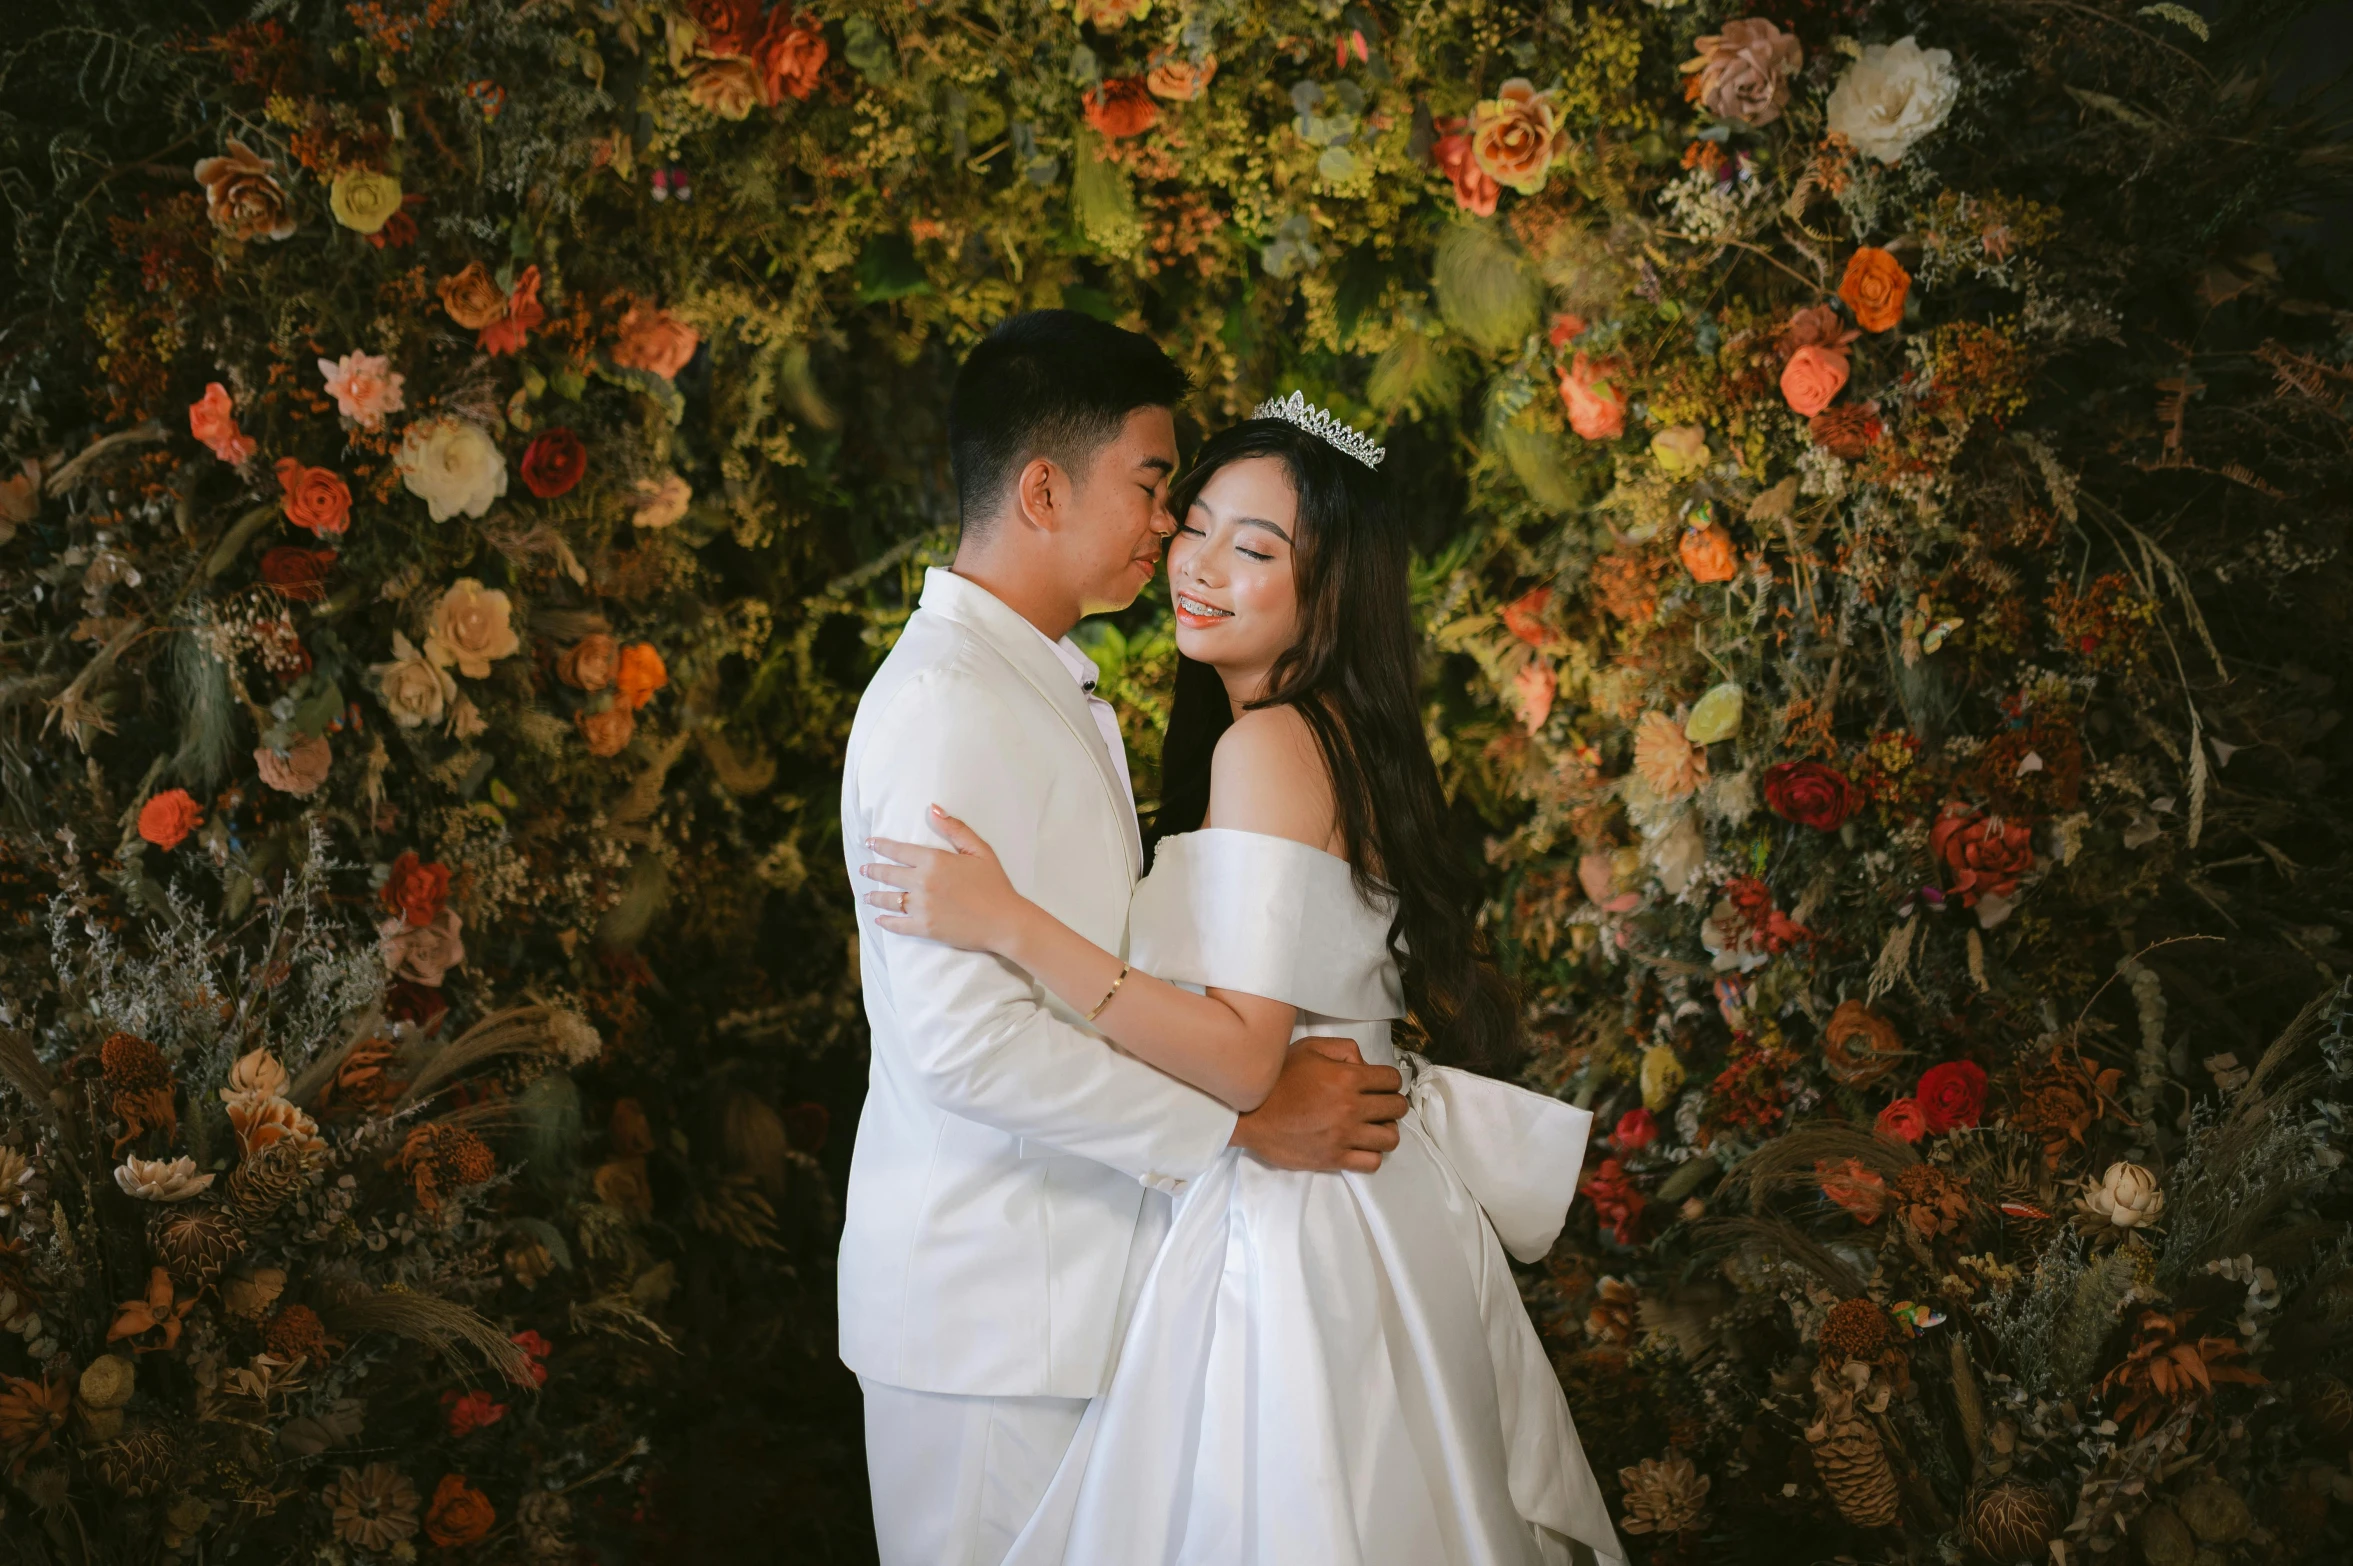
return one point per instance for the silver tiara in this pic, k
(1296, 409)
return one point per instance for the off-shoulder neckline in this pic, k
(1264, 837)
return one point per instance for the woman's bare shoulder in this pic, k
(1268, 775)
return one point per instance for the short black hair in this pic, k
(1048, 383)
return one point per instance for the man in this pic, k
(1013, 1170)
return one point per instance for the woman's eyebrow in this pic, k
(1264, 523)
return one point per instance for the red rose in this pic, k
(1615, 1200)
(790, 56)
(470, 1412)
(168, 818)
(1122, 107)
(295, 573)
(1811, 794)
(1952, 1096)
(1637, 1129)
(421, 1006)
(1902, 1121)
(1987, 854)
(416, 890)
(730, 27)
(553, 463)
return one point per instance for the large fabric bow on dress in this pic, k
(1519, 1152)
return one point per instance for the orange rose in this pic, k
(1707, 553)
(1874, 288)
(473, 297)
(460, 1514)
(1516, 134)
(587, 665)
(1597, 408)
(654, 339)
(790, 56)
(315, 498)
(512, 330)
(1811, 378)
(638, 675)
(607, 732)
(1122, 107)
(1177, 79)
(1475, 191)
(168, 818)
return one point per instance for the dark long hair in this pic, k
(1352, 676)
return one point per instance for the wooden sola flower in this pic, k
(139, 1088)
(156, 1313)
(1663, 1495)
(31, 1412)
(2167, 1372)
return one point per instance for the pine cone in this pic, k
(1854, 1329)
(2013, 1521)
(138, 1463)
(1849, 1455)
(264, 1180)
(194, 1242)
(139, 1088)
(1663, 1495)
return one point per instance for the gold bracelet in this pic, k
(1107, 994)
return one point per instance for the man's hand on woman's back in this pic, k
(1328, 1111)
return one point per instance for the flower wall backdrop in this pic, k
(1882, 475)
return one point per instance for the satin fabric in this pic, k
(1329, 1368)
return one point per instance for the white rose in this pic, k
(1891, 97)
(454, 466)
(414, 689)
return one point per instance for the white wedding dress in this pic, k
(1332, 1369)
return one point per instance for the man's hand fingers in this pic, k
(1380, 1079)
(1361, 1163)
(1374, 1138)
(1384, 1106)
(1333, 1049)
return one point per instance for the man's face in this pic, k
(1119, 517)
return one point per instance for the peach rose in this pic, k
(1874, 288)
(1178, 79)
(413, 688)
(1597, 408)
(242, 195)
(1516, 134)
(473, 298)
(639, 674)
(587, 665)
(168, 818)
(315, 499)
(1811, 379)
(661, 501)
(297, 771)
(364, 388)
(728, 88)
(473, 627)
(422, 953)
(1742, 73)
(212, 420)
(655, 340)
(607, 732)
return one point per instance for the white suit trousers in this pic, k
(955, 1478)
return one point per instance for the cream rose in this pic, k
(1893, 96)
(453, 466)
(413, 688)
(473, 627)
(661, 501)
(422, 954)
(2125, 1197)
(363, 202)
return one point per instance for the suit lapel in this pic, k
(1024, 647)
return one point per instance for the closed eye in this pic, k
(1251, 553)
(1187, 527)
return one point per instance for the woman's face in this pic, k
(1230, 572)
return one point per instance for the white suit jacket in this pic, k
(1004, 1148)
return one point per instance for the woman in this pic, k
(1327, 1368)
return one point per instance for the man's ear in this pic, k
(1041, 494)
